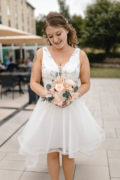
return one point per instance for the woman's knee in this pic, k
(53, 155)
(67, 157)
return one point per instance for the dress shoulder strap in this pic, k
(76, 55)
(46, 57)
(45, 54)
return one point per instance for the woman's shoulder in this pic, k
(38, 55)
(39, 51)
(82, 52)
(83, 56)
(42, 49)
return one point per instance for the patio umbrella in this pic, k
(31, 39)
(8, 31)
(20, 40)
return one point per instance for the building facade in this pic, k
(18, 14)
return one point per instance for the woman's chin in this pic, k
(59, 46)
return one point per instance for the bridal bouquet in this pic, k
(62, 91)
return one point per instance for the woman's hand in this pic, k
(45, 93)
(64, 105)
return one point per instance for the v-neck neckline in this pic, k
(69, 59)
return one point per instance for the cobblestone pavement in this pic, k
(103, 100)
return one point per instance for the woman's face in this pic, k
(57, 36)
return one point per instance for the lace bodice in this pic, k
(71, 70)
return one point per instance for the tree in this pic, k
(78, 23)
(102, 29)
(64, 9)
(39, 25)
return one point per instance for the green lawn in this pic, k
(99, 72)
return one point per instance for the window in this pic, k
(28, 20)
(15, 2)
(16, 25)
(8, 10)
(22, 17)
(21, 4)
(27, 10)
(0, 5)
(0, 19)
(16, 14)
(9, 23)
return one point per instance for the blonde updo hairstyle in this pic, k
(57, 19)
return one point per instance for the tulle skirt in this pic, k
(71, 131)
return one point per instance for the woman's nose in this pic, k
(55, 39)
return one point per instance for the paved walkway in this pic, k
(103, 101)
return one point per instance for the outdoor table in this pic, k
(23, 68)
(15, 73)
(17, 76)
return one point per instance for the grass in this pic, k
(100, 72)
(96, 51)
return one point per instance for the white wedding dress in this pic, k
(71, 130)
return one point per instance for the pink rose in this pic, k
(57, 100)
(59, 87)
(70, 82)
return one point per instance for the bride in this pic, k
(53, 129)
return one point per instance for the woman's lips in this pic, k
(58, 43)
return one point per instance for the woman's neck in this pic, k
(63, 49)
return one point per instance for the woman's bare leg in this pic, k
(53, 165)
(68, 165)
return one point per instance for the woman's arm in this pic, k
(84, 73)
(36, 75)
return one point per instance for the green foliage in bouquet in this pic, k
(48, 87)
(57, 74)
(66, 94)
(43, 98)
(76, 89)
(49, 99)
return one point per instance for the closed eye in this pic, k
(50, 37)
(59, 34)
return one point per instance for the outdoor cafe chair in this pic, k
(7, 82)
